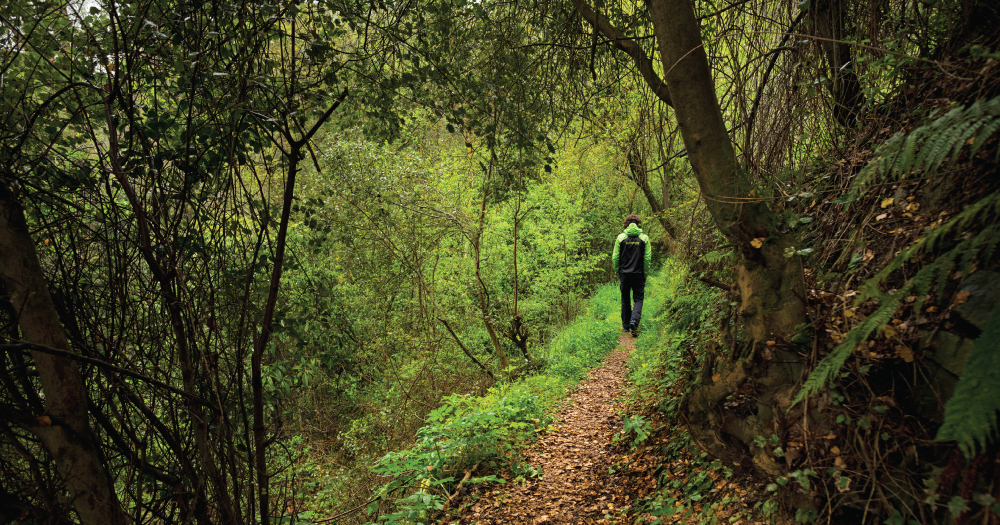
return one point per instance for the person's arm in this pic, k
(647, 258)
(615, 254)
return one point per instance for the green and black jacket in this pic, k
(633, 252)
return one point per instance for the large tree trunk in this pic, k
(770, 285)
(64, 428)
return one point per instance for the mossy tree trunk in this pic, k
(769, 284)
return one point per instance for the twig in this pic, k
(468, 474)
(345, 513)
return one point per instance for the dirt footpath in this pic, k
(575, 486)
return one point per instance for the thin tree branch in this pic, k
(466, 350)
(24, 346)
(718, 284)
(630, 47)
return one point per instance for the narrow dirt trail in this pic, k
(575, 486)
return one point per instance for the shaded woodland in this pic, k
(259, 262)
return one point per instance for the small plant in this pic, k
(634, 425)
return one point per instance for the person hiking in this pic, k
(631, 258)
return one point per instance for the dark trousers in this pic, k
(633, 287)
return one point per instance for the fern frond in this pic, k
(927, 147)
(826, 370)
(970, 416)
(986, 210)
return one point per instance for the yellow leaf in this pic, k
(962, 297)
(771, 343)
(849, 313)
(905, 352)
(716, 378)
(889, 331)
(888, 202)
(757, 243)
(835, 451)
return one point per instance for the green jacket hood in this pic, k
(633, 230)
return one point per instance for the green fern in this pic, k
(970, 416)
(985, 212)
(927, 147)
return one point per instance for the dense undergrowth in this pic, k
(901, 312)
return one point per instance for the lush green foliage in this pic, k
(680, 314)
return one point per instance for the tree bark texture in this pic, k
(770, 285)
(64, 430)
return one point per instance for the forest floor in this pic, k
(574, 459)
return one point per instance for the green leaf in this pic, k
(957, 505)
(895, 519)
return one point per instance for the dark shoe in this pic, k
(634, 329)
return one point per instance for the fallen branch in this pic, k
(718, 284)
(468, 474)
